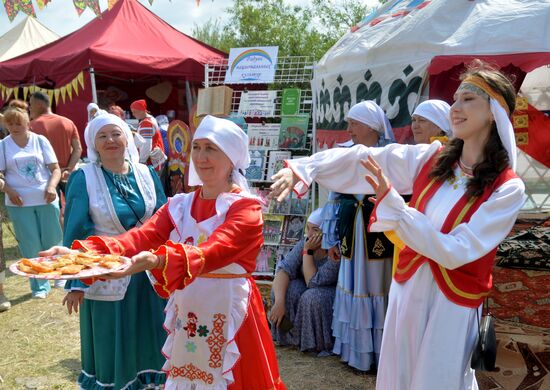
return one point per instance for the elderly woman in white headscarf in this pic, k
(364, 275)
(93, 111)
(368, 125)
(303, 293)
(430, 121)
(120, 320)
(201, 249)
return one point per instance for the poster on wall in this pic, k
(263, 136)
(290, 104)
(257, 103)
(248, 65)
(293, 133)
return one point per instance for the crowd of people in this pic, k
(408, 311)
(465, 198)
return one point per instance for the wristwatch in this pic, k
(307, 252)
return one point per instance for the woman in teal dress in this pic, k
(120, 321)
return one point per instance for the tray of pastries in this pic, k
(69, 266)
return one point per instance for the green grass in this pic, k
(40, 342)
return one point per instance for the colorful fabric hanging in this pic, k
(42, 4)
(81, 6)
(14, 6)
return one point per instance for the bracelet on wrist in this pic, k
(158, 263)
(307, 252)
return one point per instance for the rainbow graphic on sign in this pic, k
(247, 54)
(251, 65)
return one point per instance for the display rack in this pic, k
(291, 72)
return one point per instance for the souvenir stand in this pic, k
(278, 120)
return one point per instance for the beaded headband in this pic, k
(485, 87)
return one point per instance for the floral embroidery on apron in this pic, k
(200, 347)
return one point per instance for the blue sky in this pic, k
(60, 15)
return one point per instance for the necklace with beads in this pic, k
(466, 167)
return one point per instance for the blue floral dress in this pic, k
(308, 307)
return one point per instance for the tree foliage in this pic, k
(308, 30)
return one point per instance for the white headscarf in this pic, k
(437, 112)
(163, 122)
(90, 108)
(97, 124)
(231, 140)
(505, 131)
(316, 217)
(370, 114)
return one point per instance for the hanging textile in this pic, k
(14, 6)
(42, 4)
(81, 5)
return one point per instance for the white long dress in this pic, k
(428, 340)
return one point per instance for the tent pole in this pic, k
(315, 189)
(92, 82)
(188, 97)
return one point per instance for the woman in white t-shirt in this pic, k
(31, 174)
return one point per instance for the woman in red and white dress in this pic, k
(465, 199)
(201, 248)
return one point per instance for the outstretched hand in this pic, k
(143, 261)
(284, 182)
(56, 250)
(379, 182)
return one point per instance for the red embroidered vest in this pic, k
(467, 285)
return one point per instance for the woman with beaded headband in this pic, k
(201, 249)
(465, 200)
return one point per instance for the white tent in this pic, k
(408, 50)
(24, 37)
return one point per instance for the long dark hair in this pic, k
(495, 157)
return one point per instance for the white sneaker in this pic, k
(39, 295)
(4, 303)
(59, 283)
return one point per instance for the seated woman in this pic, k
(430, 121)
(303, 293)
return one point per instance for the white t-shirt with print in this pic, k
(25, 169)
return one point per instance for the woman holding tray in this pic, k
(201, 249)
(120, 320)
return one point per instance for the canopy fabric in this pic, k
(25, 37)
(126, 40)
